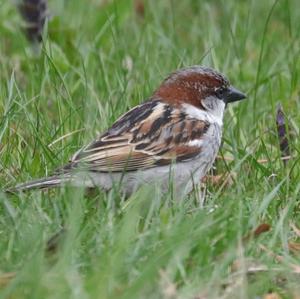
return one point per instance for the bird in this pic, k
(169, 140)
(34, 14)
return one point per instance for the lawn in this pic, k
(100, 58)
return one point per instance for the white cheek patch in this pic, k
(219, 110)
(214, 106)
(194, 112)
(214, 115)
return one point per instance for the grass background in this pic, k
(99, 59)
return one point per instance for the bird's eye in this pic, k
(220, 92)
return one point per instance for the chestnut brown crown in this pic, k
(194, 84)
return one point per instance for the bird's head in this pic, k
(199, 86)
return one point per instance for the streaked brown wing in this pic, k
(151, 134)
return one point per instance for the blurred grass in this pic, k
(99, 59)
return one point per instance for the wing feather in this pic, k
(151, 134)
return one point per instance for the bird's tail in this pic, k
(43, 183)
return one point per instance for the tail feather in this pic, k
(43, 183)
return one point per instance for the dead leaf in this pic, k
(169, 288)
(139, 8)
(5, 278)
(272, 296)
(262, 228)
(216, 180)
(296, 294)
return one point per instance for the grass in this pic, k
(100, 59)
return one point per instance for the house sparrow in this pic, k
(175, 134)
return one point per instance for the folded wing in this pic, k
(151, 134)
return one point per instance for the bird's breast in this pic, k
(210, 144)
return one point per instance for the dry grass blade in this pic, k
(294, 268)
(282, 133)
(239, 267)
(295, 229)
(65, 136)
(294, 247)
(260, 161)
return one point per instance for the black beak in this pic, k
(233, 95)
